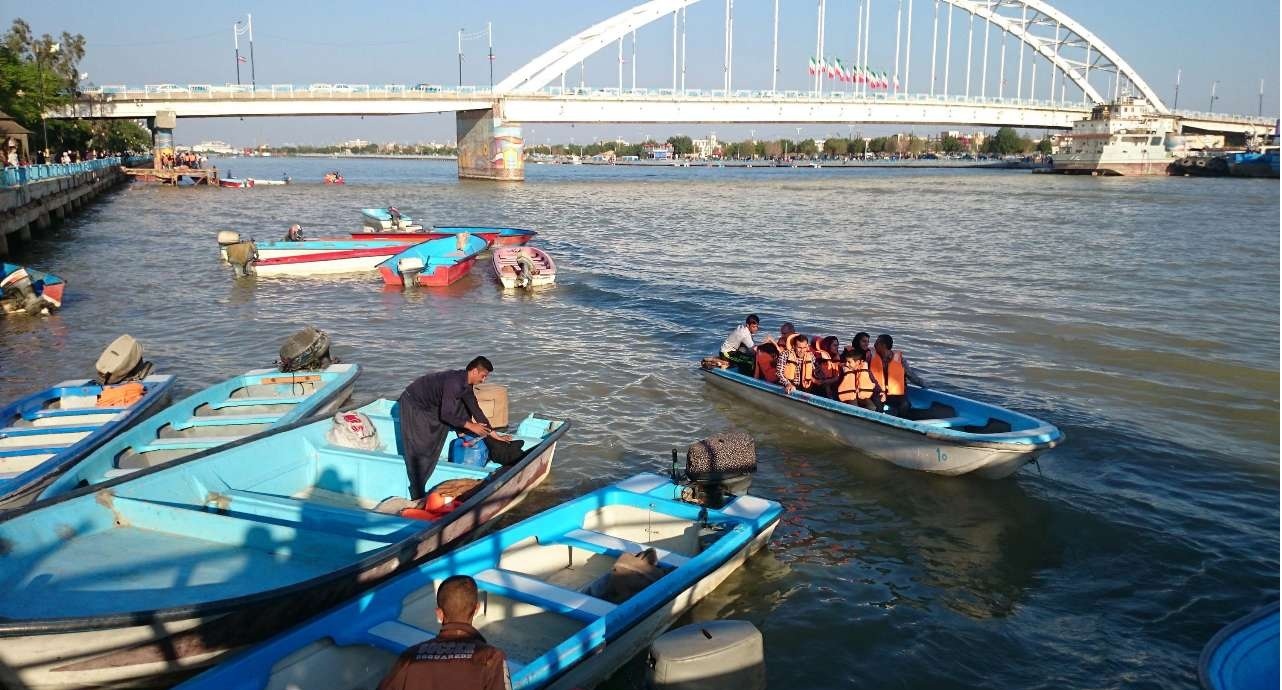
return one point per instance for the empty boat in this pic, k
(306, 257)
(255, 401)
(523, 267)
(433, 263)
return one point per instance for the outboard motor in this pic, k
(18, 289)
(712, 655)
(306, 350)
(122, 361)
(409, 268)
(717, 468)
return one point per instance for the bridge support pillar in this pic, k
(162, 135)
(489, 147)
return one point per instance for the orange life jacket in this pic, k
(807, 371)
(765, 368)
(828, 366)
(855, 384)
(122, 395)
(889, 374)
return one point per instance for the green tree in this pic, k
(1005, 142)
(808, 148)
(916, 145)
(1044, 146)
(836, 147)
(950, 144)
(681, 145)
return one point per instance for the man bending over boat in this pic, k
(890, 370)
(738, 348)
(433, 405)
(458, 658)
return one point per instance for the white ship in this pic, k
(1127, 137)
(216, 147)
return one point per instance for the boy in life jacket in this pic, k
(890, 370)
(795, 366)
(855, 385)
(827, 366)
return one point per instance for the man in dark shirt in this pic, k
(431, 406)
(458, 658)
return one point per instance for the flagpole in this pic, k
(908, 47)
(774, 66)
(818, 42)
(859, 40)
(1179, 72)
(235, 39)
(489, 34)
(684, 21)
(460, 57)
(634, 59)
(899, 20)
(253, 79)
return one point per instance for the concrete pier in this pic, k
(489, 148)
(37, 205)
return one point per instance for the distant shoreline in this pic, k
(705, 163)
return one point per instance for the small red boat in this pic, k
(432, 264)
(333, 177)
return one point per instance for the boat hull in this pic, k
(899, 446)
(325, 263)
(496, 237)
(443, 262)
(504, 263)
(156, 649)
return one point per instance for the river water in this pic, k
(1139, 315)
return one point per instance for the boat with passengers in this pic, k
(941, 433)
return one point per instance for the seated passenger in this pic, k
(861, 344)
(827, 365)
(738, 348)
(795, 366)
(458, 657)
(855, 385)
(889, 370)
(295, 233)
(764, 366)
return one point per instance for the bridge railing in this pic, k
(17, 177)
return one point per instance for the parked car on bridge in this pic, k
(429, 88)
(321, 87)
(168, 88)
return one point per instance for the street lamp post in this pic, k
(41, 50)
(1211, 108)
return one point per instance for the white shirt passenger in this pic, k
(740, 336)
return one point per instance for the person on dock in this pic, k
(795, 366)
(890, 370)
(433, 405)
(458, 658)
(739, 348)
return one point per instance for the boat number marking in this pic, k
(941, 455)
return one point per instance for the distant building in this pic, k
(705, 148)
(216, 147)
(660, 151)
(354, 143)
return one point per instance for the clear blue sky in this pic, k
(148, 42)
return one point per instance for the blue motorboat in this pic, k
(45, 433)
(1244, 655)
(545, 598)
(433, 263)
(943, 433)
(155, 574)
(242, 405)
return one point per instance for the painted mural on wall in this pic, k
(507, 149)
(488, 149)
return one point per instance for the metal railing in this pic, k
(17, 177)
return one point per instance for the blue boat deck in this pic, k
(218, 527)
(543, 592)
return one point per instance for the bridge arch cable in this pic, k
(1072, 49)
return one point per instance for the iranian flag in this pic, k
(896, 83)
(814, 66)
(831, 69)
(841, 70)
(859, 77)
(882, 81)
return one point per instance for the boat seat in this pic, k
(15, 431)
(45, 414)
(246, 402)
(119, 472)
(227, 420)
(608, 544)
(396, 636)
(180, 443)
(322, 517)
(31, 450)
(951, 422)
(530, 590)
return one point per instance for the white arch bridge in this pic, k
(998, 83)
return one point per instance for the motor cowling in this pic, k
(228, 237)
(18, 289)
(410, 267)
(306, 350)
(719, 467)
(121, 361)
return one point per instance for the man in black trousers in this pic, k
(433, 405)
